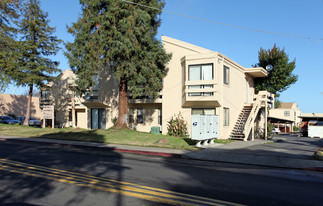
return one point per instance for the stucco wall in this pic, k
(17, 105)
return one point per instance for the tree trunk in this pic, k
(30, 96)
(122, 121)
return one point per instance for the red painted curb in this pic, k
(317, 169)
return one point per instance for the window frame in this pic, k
(201, 65)
(286, 113)
(226, 75)
(226, 116)
(140, 117)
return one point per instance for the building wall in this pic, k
(294, 113)
(17, 105)
(173, 82)
(230, 96)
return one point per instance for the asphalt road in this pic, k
(35, 174)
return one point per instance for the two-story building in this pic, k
(199, 82)
(286, 116)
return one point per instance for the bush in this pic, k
(295, 128)
(270, 127)
(177, 126)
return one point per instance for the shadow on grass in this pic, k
(86, 136)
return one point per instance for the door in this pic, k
(98, 119)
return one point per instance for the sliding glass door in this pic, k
(98, 119)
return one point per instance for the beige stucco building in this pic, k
(286, 112)
(199, 81)
(17, 105)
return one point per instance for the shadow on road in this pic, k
(19, 189)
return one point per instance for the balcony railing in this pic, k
(203, 91)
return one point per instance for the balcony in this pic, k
(146, 99)
(200, 93)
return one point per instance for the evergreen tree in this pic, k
(9, 14)
(281, 76)
(36, 45)
(122, 35)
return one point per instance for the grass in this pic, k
(110, 136)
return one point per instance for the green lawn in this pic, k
(110, 136)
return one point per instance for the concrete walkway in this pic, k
(283, 151)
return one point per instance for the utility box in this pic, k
(155, 130)
(205, 127)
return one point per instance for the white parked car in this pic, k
(276, 130)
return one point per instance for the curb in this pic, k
(108, 149)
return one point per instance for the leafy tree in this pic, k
(277, 103)
(36, 44)
(121, 36)
(281, 76)
(9, 14)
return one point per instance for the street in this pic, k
(39, 174)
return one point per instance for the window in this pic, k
(160, 116)
(203, 111)
(200, 72)
(286, 113)
(95, 87)
(295, 115)
(140, 116)
(226, 115)
(131, 119)
(44, 94)
(226, 75)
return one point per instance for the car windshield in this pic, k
(8, 118)
(31, 118)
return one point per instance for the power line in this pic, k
(230, 25)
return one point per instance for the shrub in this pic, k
(177, 126)
(296, 128)
(270, 127)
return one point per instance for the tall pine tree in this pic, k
(121, 33)
(36, 45)
(281, 76)
(9, 15)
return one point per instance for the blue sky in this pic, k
(295, 17)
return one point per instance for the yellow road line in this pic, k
(128, 193)
(98, 182)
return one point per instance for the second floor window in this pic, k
(44, 94)
(95, 87)
(286, 113)
(200, 72)
(226, 75)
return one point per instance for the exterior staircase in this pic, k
(237, 132)
(245, 123)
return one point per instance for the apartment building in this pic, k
(286, 112)
(199, 82)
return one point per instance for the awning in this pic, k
(256, 72)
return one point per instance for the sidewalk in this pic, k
(108, 147)
(282, 154)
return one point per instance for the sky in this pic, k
(292, 17)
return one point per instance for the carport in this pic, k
(284, 125)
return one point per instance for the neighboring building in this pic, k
(199, 81)
(286, 116)
(17, 104)
(309, 119)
